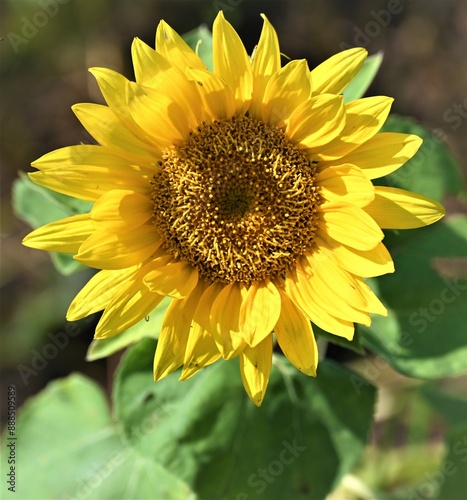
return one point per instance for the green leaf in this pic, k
(353, 345)
(362, 80)
(433, 171)
(64, 263)
(449, 481)
(451, 407)
(200, 40)
(452, 474)
(424, 334)
(307, 434)
(38, 206)
(68, 447)
(145, 328)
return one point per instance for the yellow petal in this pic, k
(334, 74)
(173, 337)
(98, 292)
(333, 288)
(172, 341)
(369, 263)
(373, 304)
(202, 352)
(89, 183)
(116, 251)
(84, 154)
(175, 279)
(317, 121)
(342, 294)
(119, 210)
(259, 312)
(255, 368)
(103, 124)
(345, 184)
(395, 208)
(113, 85)
(286, 90)
(172, 46)
(147, 63)
(266, 61)
(364, 118)
(296, 339)
(201, 349)
(225, 320)
(164, 119)
(267, 57)
(133, 302)
(172, 83)
(382, 154)
(92, 156)
(87, 171)
(217, 97)
(65, 235)
(298, 290)
(231, 62)
(349, 225)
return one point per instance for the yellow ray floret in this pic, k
(244, 194)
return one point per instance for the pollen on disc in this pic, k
(237, 200)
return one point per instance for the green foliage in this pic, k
(209, 434)
(359, 85)
(424, 334)
(69, 447)
(452, 474)
(353, 345)
(148, 327)
(433, 171)
(170, 439)
(450, 478)
(203, 437)
(451, 408)
(38, 206)
(200, 40)
(426, 297)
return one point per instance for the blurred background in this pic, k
(46, 48)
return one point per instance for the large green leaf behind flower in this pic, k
(363, 79)
(433, 171)
(305, 437)
(38, 206)
(200, 438)
(69, 447)
(449, 481)
(425, 332)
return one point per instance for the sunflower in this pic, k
(244, 194)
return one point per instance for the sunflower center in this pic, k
(237, 200)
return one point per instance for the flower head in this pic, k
(244, 194)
